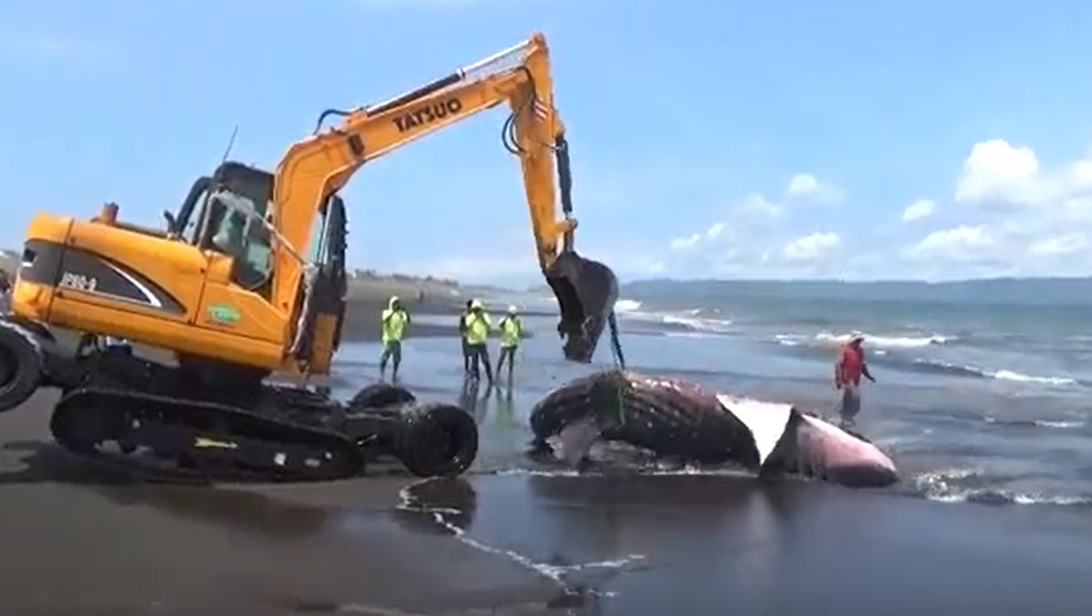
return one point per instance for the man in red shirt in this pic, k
(847, 377)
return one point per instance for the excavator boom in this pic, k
(320, 165)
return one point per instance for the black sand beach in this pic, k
(79, 539)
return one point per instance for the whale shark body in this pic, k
(678, 419)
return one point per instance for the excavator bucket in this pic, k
(586, 291)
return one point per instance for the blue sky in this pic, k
(688, 121)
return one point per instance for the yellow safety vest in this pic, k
(394, 325)
(511, 329)
(477, 328)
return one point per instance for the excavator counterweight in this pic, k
(249, 280)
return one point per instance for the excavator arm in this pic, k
(320, 165)
(211, 296)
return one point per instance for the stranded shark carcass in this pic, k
(678, 419)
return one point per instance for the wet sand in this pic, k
(79, 539)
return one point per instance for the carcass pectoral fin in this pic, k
(575, 440)
(766, 421)
(586, 291)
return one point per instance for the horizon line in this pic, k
(1086, 277)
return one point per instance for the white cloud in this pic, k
(753, 238)
(1007, 214)
(958, 244)
(1059, 245)
(519, 268)
(1020, 217)
(813, 247)
(807, 187)
(997, 175)
(712, 233)
(919, 210)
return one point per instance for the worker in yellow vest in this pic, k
(511, 333)
(393, 328)
(477, 325)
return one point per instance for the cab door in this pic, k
(326, 309)
(238, 280)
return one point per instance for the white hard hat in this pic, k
(512, 309)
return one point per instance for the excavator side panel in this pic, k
(93, 267)
(112, 281)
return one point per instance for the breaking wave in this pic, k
(828, 339)
(1057, 424)
(962, 485)
(888, 342)
(886, 354)
(693, 320)
(933, 366)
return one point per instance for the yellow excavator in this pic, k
(248, 280)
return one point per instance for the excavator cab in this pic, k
(207, 219)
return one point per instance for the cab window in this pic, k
(232, 230)
(191, 232)
(317, 245)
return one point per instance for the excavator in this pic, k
(248, 283)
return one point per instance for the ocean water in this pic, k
(982, 393)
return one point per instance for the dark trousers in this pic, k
(508, 353)
(479, 353)
(851, 403)
(392, 351)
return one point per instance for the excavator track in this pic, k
(180, 440)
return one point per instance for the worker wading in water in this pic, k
(462, 336)
(394, 322)
(477, 326)
(848, 371)
(511, 332)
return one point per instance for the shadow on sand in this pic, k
(243, 508)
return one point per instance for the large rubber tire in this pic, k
(20, 366)
(436, 440)
(379, 395)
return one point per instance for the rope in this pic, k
(619, 362)
(616, 342)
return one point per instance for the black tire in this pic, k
(20, 366)
(380, 395)
(436, 440)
